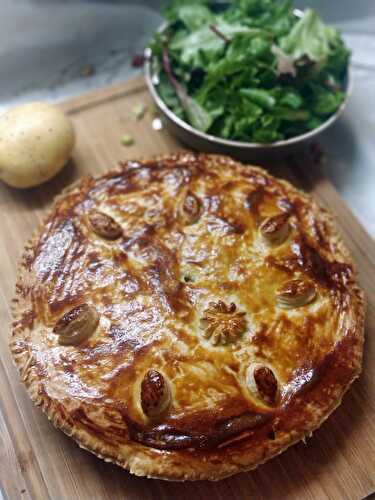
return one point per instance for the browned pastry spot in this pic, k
(155, 394)
(77, 325)
(296, 293)
(104, 225)
(191, 208)
(275, 229)
(266, 383)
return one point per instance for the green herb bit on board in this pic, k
(139, 111)
(127, 140)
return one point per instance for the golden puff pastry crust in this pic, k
(187, 317)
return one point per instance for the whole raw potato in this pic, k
(36, 141)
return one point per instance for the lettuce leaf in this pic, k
(194, 16)
(309, 37)
(190, 47)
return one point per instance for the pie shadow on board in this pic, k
(41, 197)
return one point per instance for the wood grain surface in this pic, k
(39, 462)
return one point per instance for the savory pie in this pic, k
(187, 317)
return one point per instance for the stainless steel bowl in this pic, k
(246, 151)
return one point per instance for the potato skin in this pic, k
(36, 141)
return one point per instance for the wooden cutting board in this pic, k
(39, 462)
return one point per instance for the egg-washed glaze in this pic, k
(220, 394)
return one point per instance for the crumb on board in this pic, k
(157, 124)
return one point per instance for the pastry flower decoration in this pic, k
(222, 323)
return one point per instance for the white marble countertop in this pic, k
(45, 46)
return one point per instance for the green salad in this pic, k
(249, 70)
